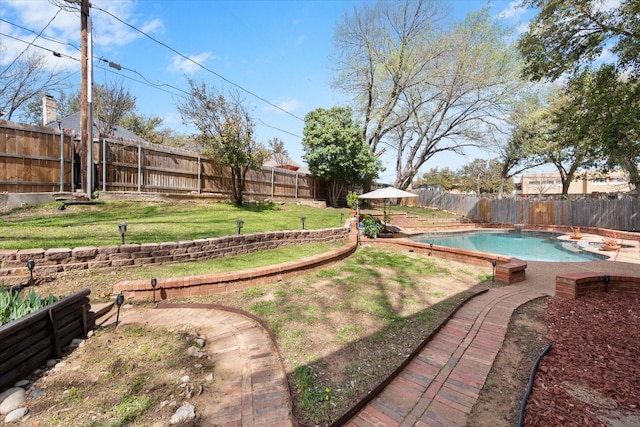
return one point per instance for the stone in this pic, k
(194, 351)
(11, 399)
(22, 383)
(184, 413)
(16, 415)
(51, 363)
(37, 392)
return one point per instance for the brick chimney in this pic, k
(49, 109)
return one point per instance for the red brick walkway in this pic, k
(441, 385)
(438, 388)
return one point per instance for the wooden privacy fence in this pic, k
(123, 166)
(34, 159)
(616, 214)
(38, 159)
(27, 343)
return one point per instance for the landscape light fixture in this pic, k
(303, 219)
(240, 224)
(119, 302)
(493, 276)
(31, 264)
(154, 283)
(430, 248)
(122, 226)
(341, 217)
(606, 283)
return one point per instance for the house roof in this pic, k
(279, 161)
(73, 122)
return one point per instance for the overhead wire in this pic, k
(55, 53)
(36, 38)
(198, 64)
(145, 81)
(51, 39)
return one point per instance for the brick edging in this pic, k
(575, 285)
(209, 284)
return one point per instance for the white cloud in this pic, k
(187, 66)
(289, 105)
(513, 10)
(109, 31)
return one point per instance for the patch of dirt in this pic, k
(499, 401)
(590, 377)
(350, 324)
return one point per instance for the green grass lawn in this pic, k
(45, 226)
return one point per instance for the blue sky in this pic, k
(279, 51)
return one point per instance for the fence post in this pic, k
(104, 164)
(61, 158)
(273, 172)
(139, 168)
(199, 175)
(296, 184)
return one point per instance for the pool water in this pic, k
(526, 245)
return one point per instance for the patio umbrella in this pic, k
(384, 194)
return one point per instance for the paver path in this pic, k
(250, 385)
(440, 385)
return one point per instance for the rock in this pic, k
(185, 379)
(184, 413)
(16, 415)
(22, 383)
(194, 351)
(51, 363)
(209, 377)
(11, 399)
(200, 342)
(76, 342)
(36, 392)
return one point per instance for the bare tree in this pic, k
(422, 89)
(24, 81)
(278, 151)
(226, 131)
(112, 102)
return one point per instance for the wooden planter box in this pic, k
(27, 343)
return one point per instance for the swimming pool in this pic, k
(526, 245)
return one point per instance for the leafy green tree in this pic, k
(421, 84)
(446, 177)
(567, 35)
(226, 131)
(336, 152)
(609, 105)
(523, 147)
(143, 126)
(482, 177)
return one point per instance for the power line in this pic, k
(278, 129)
(147, 82)
(36, 38)
(51, 39)
(198, 64)
(55, 53)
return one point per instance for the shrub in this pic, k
(13, 305)
(352, 199)
(372, 226)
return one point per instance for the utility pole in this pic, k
(86, 100)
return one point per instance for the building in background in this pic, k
(585, 183)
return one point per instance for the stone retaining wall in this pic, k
(55, 260)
